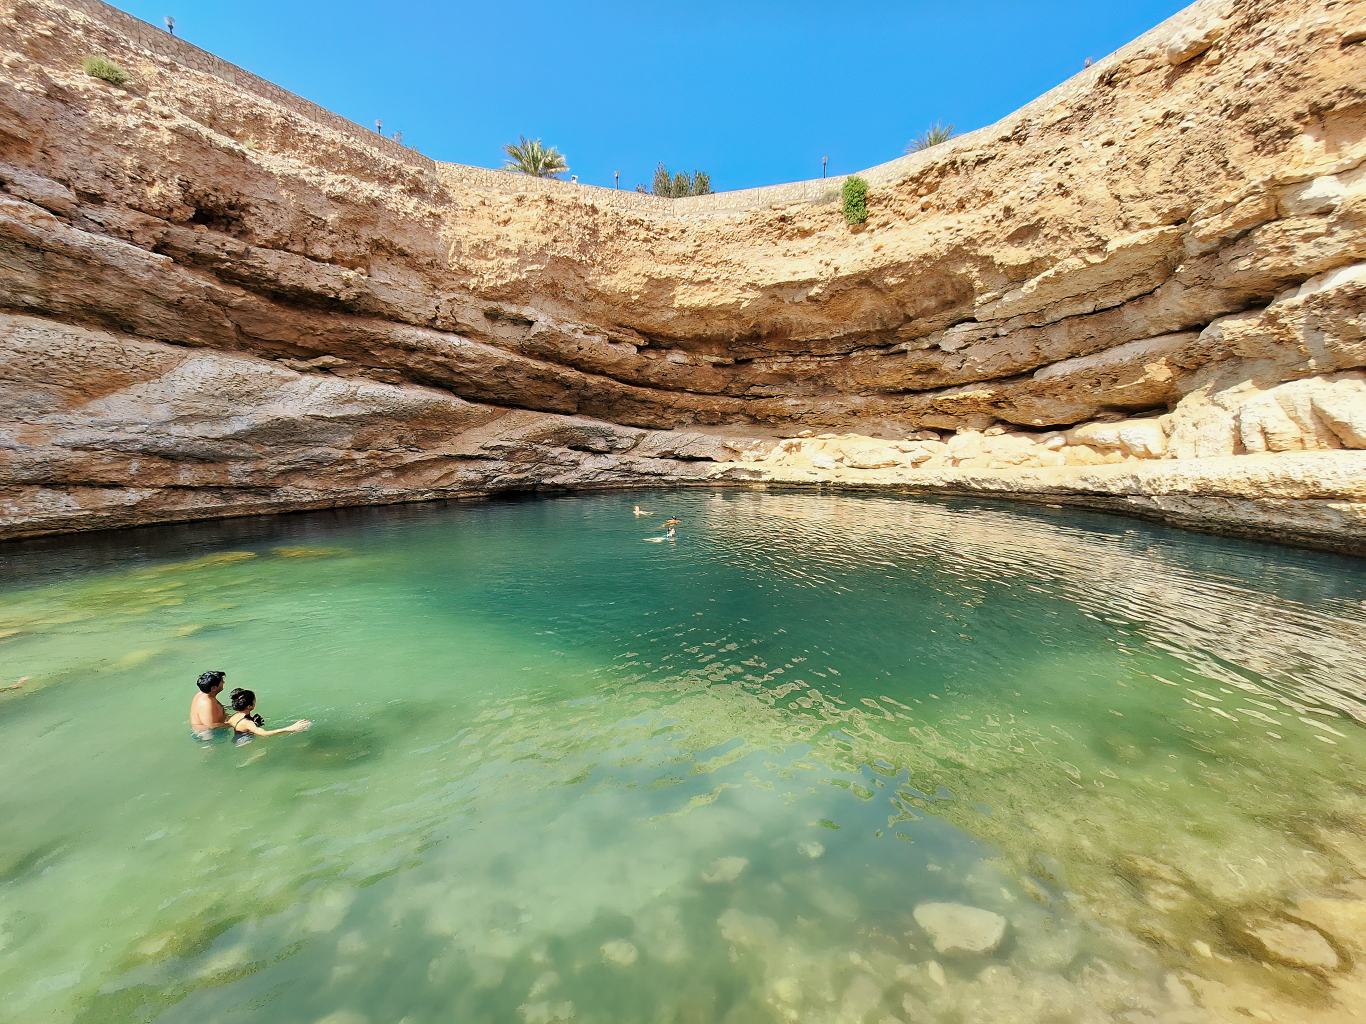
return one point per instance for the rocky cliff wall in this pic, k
(215, 300)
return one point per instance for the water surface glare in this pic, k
(563, 769)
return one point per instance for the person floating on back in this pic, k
(638, 511)
(206, 714)
(246, 724)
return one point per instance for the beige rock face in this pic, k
(219, 300)
(958, 929)
(106, 430)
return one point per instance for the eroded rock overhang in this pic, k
(218, 299)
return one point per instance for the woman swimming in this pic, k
(246, 725)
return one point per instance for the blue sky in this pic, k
(753, 93)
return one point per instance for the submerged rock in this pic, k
(307, 552)
(619, 952)
(725, 869)
(747, 930)
(1280, 940)
(546, 1013)
(1344, 920)
(955, 928)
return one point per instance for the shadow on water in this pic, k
(33, 859)
(343, 744)
(333, 747)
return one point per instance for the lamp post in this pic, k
(617, 176)
(824, 160)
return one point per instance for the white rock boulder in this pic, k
(956, 929)
(1143, 437)
(1195, 39)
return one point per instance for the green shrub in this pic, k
(855, 200)
(102, 67)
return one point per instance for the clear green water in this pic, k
(559, 771)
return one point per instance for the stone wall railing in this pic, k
(465, 176)
(827, 189)
(93, 14)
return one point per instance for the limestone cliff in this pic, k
(216, 299)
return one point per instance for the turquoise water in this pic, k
(563, 770)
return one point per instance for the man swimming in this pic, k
(206, 714)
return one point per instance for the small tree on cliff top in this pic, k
(530, 157)
(932, 136)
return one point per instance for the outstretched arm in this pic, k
(248, 725)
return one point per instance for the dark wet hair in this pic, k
(208, 681)
(243, 699)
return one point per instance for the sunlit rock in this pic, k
(747, 930)
(546, 1012)
(955, 928)
(1344, 920)
(725, 869)
(1192, 41)
(620, 952)
(1144, 438)
(1283, 941)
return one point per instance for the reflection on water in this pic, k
(558, 773)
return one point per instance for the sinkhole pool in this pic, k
(562, 769)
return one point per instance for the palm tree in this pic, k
(937, 133)
(529, 157)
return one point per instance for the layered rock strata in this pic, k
(1177, 236)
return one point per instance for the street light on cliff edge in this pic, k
(824, 160)
(617, 176)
